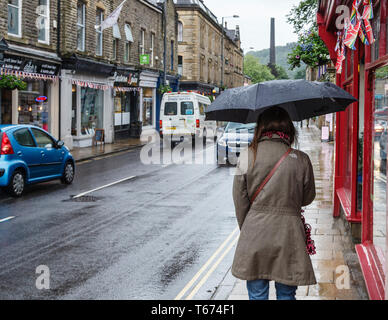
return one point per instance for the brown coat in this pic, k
(272, 239)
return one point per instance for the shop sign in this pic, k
(144, 59)
(130, 78)
(41, 99)
(28, 65)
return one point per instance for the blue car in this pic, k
(30, 155)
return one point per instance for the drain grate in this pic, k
(85, 199)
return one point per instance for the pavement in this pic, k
(88, 153)
(335, 251)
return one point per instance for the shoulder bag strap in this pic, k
(277, 165)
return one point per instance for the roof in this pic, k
(199, 4)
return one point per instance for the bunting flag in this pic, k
(28, 75)
(366, 32)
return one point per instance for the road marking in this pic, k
(6, 219)
(209, 273)
(103, 187)
(195, 278)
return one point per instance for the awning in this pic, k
(128, 33)
(116, 31)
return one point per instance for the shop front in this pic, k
(38, 103)
(126, 101)
(148, 84)
(87, 104)
(361, 138)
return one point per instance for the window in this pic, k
(99, 20)
(24, 138)
(142, 41)
(376, 32)
(180, 31)
(201, 109)
(171, 109)
(172, 55)
(187, 108)
(81, 26)
(74, 111)
(15, 17)
(152, 50)
(126, 51)
(180, 65)
(44, 21)
(129, 40)
(92, 105)
(42, 139)
(116, 38)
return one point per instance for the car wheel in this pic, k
(17, 184)
(68, 173)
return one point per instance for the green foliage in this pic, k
(310, 50)
(281, 73)
(301, 74)
(164, 89)
(257, 71)
(281, 58)
(12, 82)
(382, 73)
(303, 17)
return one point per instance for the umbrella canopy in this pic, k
(300, 98)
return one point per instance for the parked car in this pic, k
(30, 155)
(182, 114)
(235, 138)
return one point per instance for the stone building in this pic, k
(200, 49)
(110, 77)
(29, 50)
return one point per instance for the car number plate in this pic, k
(171, 128)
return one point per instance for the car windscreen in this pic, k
(187, 108)
(171, 109)
(233, 126)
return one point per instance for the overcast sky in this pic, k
(255, 18)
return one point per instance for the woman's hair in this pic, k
(273, 119)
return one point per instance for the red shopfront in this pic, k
(361, 142)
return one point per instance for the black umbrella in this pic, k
(300, 98)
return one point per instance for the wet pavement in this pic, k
(335, 251)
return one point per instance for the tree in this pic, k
(301, 74)
(257, 71)
(281, 73)
(303, 17)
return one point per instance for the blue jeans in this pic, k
(259, 290)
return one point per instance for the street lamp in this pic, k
(222, 49)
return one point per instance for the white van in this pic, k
(183, 114)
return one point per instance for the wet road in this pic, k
(139, 232)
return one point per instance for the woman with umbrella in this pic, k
(272, 243)
(273, 181)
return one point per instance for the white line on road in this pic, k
(6, 219)
(192, 281)
(106, 186)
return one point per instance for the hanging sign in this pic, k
(144, 59)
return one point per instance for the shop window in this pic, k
(74, 130)
(81, 15)
(15, 17)
(92, 108)
(44, 21)
(379, 163)
(180, 31)
(376, 31)
(148, 110)
(99, 35)
(5, 106)
(122, 103)
(33, 111)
